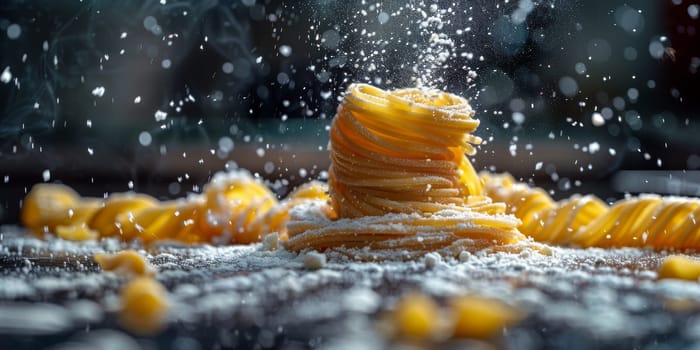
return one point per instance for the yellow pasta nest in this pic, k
(542, 218)
(401, 151)
(233, 208)
(400, 178)
(586, 221)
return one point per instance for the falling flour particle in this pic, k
(593, 147)
(46, 175)
(597, 119)
(285, 50)
(513, 149)
(6, 75)
(98, 91)
(137, 99)
(520, 14)
(14, 31)
(314, 260)
(440, 47)
(518, 118)
(160, 115)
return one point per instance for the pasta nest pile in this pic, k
(400, 180)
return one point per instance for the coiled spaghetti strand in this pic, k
(233, 208)
(400, 178)
(117, 211)
(542, 218)
(49, 206)
(646, 221)
(585, 221)
(359, 131)
(372, 231)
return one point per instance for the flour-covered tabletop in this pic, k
(52, 293)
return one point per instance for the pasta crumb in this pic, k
(481, 318)
(679, 267)
(144, 306)
(416, 316)
(127, 262)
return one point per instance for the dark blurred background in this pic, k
(156, 96)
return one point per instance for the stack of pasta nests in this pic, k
(400, 179)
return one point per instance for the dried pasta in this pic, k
(400, 178)
(679, 267)
(402, 151)
(145, 305)
(233, 208)
(144, 302)
(418, 317)
(415, 316)
(585, 221)
(126, 262)
(542, 218)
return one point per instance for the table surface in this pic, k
(53, 294)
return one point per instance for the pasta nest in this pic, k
(400, 178)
